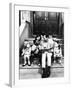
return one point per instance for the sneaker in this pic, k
(23, 65)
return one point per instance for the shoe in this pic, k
(23, 65)
(48, 71)
(44, 74)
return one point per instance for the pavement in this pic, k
(34, 71)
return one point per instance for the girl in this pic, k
(26, 53)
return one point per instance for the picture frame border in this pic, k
(13, 63)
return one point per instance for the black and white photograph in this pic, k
(37, 54)
(41, 44)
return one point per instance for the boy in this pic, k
(46, 59)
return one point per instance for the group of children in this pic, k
(45, 48)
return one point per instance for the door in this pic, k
(45, 22)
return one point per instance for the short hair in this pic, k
(34, 41)
(57, 41)
(59, 46)
(50, 34)
(46, 36)
(43, 33)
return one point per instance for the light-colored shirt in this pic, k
(33, 47)
(26, 51)
(50, 43)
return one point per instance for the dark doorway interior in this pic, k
(47, 22)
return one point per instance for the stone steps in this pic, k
(33, 73)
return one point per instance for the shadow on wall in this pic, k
(26, 33)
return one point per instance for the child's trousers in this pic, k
(28, 58)
(44, 56)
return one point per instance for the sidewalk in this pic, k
(34, 71)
